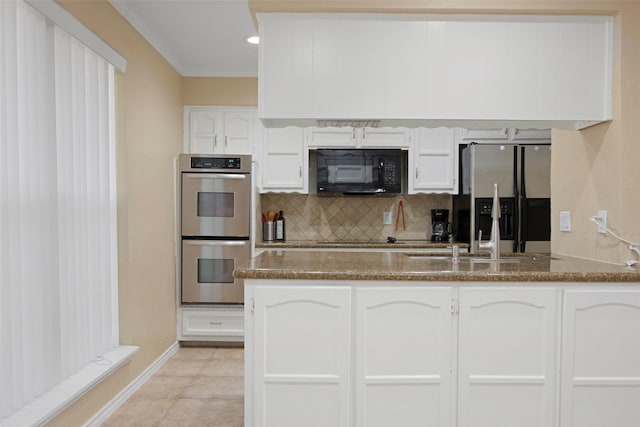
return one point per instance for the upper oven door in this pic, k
(216, 204)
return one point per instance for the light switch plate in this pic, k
(565, 221)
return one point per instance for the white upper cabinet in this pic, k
(284, 161)
(432, 161)
(349, 137)
(425, 70)
(218, 130)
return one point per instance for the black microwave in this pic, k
(365, 171)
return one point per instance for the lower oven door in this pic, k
(207, 271)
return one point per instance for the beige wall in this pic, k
(227, 91)
(150, 136)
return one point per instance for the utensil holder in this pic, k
(268, 231)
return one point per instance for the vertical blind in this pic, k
(58, 272)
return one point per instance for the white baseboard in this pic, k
(113, 405)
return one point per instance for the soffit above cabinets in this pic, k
(473, 71)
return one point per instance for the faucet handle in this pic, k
(480, 235)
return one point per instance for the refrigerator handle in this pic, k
(523, 203)
(516, 204)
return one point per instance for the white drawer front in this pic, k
(207, 323)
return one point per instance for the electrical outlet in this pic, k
(386, 218)
(565, 221)
(602, 222)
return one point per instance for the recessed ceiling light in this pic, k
(253, 39)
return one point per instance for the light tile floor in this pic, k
(198, 386)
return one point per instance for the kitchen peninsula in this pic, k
(379, 339)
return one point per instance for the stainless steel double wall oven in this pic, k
(215, 226)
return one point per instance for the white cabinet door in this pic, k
(237, 131)
(284, 165)
(210, 324)
(202, 130)
(485, 134)
(530, 134)
(508, 357)
(331, 137)
(349, 137)
(301, 356)
(432, 162)
(403, 357)
(385, 137)
(285, 67)
(601, 359)
(218, 130)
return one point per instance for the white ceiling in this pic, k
(200, 38)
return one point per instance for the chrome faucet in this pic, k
(494, 242)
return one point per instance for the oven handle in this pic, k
(215, 242)
(216, 176)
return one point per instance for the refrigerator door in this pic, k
(537, 170)
(535, 201)
(493, 163)
(490, 164)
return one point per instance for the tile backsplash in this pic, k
(357, 218)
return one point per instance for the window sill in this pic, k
(47, 406)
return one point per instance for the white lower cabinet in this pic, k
(300, 357)
(386, 354)
(601, 359)
(210, 324)
(507, 357)
(403, 357)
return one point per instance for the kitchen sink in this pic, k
(472, 258)
(359, 242)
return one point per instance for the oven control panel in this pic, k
(216, 163)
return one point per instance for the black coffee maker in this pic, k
(440, 226)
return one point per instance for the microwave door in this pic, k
(347, 174)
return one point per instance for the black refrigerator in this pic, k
(522, 172)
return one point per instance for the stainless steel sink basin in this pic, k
(506, 258)
(466, 259)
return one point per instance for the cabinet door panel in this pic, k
(237, 132)
(328, 68)
(432, 161)
(295, 405)
(330, 137)
(284, 160)
(505, 405)
(406, 62)
(385, 137)
(508, 357)
(203, 128)
(301, 368)
(286, 47)
(403, 356)
(365, 64)
(601, 349)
